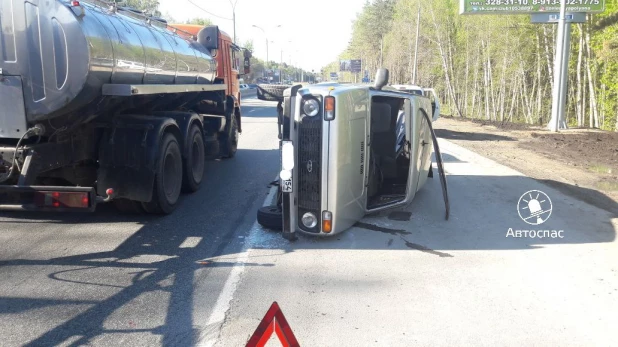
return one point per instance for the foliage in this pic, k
(497, 67)
(200, 21)
(147, 6)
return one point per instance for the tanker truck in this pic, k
(102, 103)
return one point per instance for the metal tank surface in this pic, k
(58, 54)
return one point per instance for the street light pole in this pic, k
(264, 32)
(234, 17)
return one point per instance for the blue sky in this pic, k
(312, 32)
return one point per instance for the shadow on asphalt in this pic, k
(476, 224)
(213, 218)
(467, 136)
(426, 231)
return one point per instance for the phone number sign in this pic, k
(529, 6)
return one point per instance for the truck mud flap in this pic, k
(128, 155)
(47, 199)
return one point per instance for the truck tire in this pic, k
(126, 206)
(270, 217)
(194, 164)
(271, 92)
(168, 180)
(229, 143)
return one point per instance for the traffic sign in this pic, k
(528, 6)
(273, 322)
(543, 18)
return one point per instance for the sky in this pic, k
(312, 33)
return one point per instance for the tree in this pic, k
(150, 7)
(497, 67)
(200, 21)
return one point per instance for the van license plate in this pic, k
(286, 186)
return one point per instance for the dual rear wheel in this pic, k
(173, 175)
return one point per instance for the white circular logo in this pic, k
(534, 207)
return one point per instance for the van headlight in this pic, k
(311, 107)
(309, 220)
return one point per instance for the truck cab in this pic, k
(228, 56)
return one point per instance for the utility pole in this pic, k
(234, 17)
(557, 120)
(418, 30)
(264, 31)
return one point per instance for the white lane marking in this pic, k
(222, 306)
(190, 242)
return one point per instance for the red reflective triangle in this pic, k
(273, 321)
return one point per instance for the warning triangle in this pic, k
(273, 321)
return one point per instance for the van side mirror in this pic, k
(381, 79)
(209, 37)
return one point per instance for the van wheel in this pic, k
(270, 217)
(230, 141)
(168, 179)
(194, 164)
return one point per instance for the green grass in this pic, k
(602, 169)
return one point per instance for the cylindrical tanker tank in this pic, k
(65, 51)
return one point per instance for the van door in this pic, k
(435, 103)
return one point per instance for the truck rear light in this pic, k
(62, 199)
(327, 221)
(329, 108)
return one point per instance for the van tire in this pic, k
(270, 217)
(271, 92)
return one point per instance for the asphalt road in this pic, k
(207, 274)
(106, 279)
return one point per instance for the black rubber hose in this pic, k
(440, 164)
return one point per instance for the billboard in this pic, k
(334, 76)
(528, 6)
(352, 65)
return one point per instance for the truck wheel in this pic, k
(271, 92)
(195, 162)
(270, 217)
(168, 179)
(230, 141)
(126, 206)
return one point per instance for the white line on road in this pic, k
(217, 316)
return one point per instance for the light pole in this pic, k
(234, 17)
(281, 64)
(266, 37)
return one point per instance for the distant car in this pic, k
(244, 86)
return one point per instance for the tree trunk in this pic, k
(594, 114)
(579, 105)
(550, 61)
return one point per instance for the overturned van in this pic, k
(349, 150)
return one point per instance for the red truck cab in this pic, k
(228, 58)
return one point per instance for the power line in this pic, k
(210, 13)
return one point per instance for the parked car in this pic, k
(349, 150)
